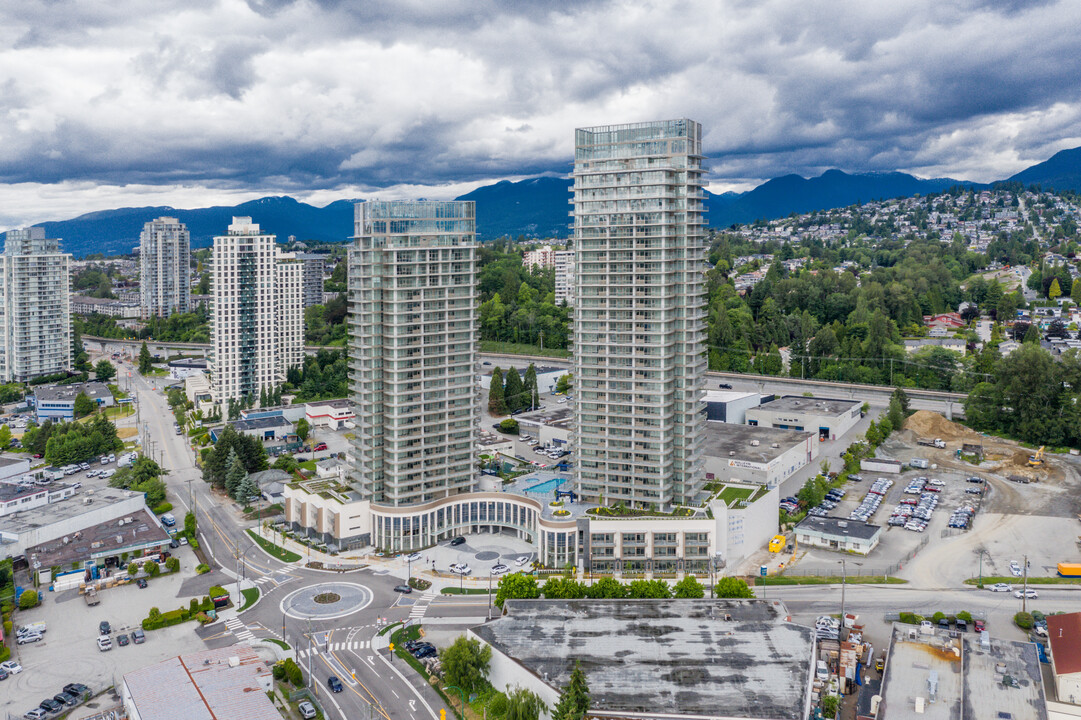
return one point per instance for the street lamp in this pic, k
(982, 552)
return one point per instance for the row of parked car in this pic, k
(70, 696)
(914, 514)
(420, 649)
(871, 500)
(962, 517)
(827, 628)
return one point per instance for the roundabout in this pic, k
(326, 601)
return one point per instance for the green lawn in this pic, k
(250, 596)
(1019, 582)
(278, 552)
(280, 643)
(465, 591)
(828, 580)
(308, 465)
(507, 348)
(733, 494)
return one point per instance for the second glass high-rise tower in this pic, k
(639, 318)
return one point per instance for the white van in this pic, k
(34, 627)
(822, 672)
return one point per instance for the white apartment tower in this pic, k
(165, 267)
(563, 260)
(257, 322)
(413, 326)
(35, 306)
(639, 316)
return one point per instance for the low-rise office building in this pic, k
(86, 305)
(763, 455)
(13, 467)
(27, 496)
(329, 413)
(837, 534)
(230, 682)
(105, 544)
(648, 659)
(548, 427)
(827, 418)
(57, 402)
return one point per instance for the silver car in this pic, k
(307, 710)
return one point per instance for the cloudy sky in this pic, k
(199, 102)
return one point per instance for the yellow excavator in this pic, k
(1037, 459)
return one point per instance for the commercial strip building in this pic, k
(639, 316)
(105, 544)
(827, 418)
(57, 402)
(64, 515)
(257, 323)
(331, 414)
(935, 676)
(164, 267)
(762, 455)
(15, 496)
(413, 328)
(35, 306)
(837, 534)
(230, 682)
(650, 659)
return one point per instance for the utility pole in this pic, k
(1024, 592)
(309, 652)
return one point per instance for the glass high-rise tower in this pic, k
(639, 317)
(165, 267)
(413, 326)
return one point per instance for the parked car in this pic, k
(413, 557)
(104, 628)
(105, 643)
(11, 666)
(122, 640)
(979, 626)
(725, 386)
(424, 652)
(36, 714)
(138, 636)
(458, 541)
(50, 705)
(30, 638)
(319, 447)
(66, 699)
(521, 560)
(1015, 568)
(4, 674)
(962, 625)
(307, 710)
(141, 582)
(334, 684)
(500, 569)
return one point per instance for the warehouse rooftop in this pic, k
(660, 658)
(721, 439)
(809, 405)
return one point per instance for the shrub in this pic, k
(216, 591)
(7, 628)
(278, 670)
(937, 617)
(965, 615)
(202, 569)
(133, 568)
(162, 508)
(172, 564)
(28, 599)
(193, 607)
(154, 613)
(829, 706)
(911, 618)
(294, 673)
(5, 653)
(1023, 620)
(152, 568)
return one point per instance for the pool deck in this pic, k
(522, 485)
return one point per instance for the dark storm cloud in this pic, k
(298, 95)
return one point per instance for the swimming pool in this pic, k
(546, 487)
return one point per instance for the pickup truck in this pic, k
(936, 442)
(91, 596)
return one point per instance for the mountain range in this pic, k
(536, 207)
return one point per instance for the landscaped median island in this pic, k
(250, 596)
(275, 550)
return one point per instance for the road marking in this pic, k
(239, 629)
(395, 694)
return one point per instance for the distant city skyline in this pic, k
(227, 101)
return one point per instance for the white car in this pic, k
(461, 569)
(1000, 587)
(500, 569)
(1030, 594)
(1015, 568)
(413, 557)
(12, 667)
(522, 560)
(105, 643)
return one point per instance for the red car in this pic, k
(320, 446)
(979, 626)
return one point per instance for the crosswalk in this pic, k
(421, 605)
(354, 645)
(239, 629)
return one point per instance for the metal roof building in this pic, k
(228, 682)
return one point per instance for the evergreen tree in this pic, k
(145, 361)
(529, 383)
(262, 397)
(104, 370)
(1075, 292)
(84, 405)
(496, 403)
(1032, 335)
(235, 475)
(1054, 291)
(514, 392)
(5, 437)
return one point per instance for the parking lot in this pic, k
(897, 543)
(69, 652)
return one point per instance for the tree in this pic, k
(303, 428)
(608, 588)
(529, 385)
(517, 586)
(28, 599)
(235, 475)
(514, 392)
(829, 706)
(145, 361)
(247, 489)
(523, 704)
(84, 405)
(730, 587)
(465, 663)
(895, 414)
(5, 437)
(563, 385)
(497, 404)
(1054, 291)
(1032, 335)
(902, 397)
(689, 588)
(104, 370)
(574, 698)
(217, 461)
(1075, 291)
(509, 426)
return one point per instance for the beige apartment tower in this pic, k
(639, 312)
(413, 352)
(257, 321)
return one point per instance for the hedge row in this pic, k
(158, 619)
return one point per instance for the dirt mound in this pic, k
(927, 424)
(1018, 460)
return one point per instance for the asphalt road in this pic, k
(338, 646)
